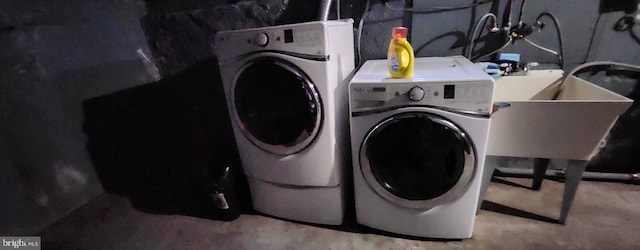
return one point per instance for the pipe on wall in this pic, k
(325, 5)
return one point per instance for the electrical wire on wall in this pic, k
(593, 35)
(476, 33)
(359, 33)
(440, 9)
(475, 29)
(560, 54)
(521, 11)
(636, 23)
(629, 23)
(506, 27)
(436, 9)
(506, 23)
(635, 35)
(513, 33)
(522, 30)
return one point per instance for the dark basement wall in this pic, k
(182, 33)
(56, 54)
(53, 55)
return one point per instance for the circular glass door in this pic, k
(276, 106)
(417, 160)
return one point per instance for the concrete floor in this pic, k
(604, 216)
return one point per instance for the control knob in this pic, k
(261, 39)
(416, 94)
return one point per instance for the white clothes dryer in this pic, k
(287, 96)
(418, 146)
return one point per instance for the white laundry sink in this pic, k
(529, 123)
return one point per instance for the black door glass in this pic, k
(275, 102)
(416, 158)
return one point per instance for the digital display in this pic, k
(288, 36)
(379, 89)
(449, 91)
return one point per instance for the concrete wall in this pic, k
(55, 54)
(181, 35)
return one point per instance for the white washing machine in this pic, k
(287, 96)
(418, 146)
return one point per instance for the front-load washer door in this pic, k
(417, 160)
(276, 105)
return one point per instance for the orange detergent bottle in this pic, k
(400, 55)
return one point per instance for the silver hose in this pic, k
(555, 53)
(475, 29)
(558, 33)
(591, 64)
(603, 63)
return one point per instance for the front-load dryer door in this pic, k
(417, 160)
(276, 105)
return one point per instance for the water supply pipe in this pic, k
(325, 6)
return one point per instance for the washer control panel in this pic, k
(472, 96)
(307, 38)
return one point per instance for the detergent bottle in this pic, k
(400, 55)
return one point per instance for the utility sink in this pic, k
(540, 116)
(545, 116)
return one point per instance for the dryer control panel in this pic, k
(310, 38)
(475, 97)
(451, 83)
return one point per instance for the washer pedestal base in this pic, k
(321, 205)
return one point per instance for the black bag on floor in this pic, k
(169, 145)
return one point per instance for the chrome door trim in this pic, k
(457, 190)
(231, 60)
(376, 110)
(314, 99)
